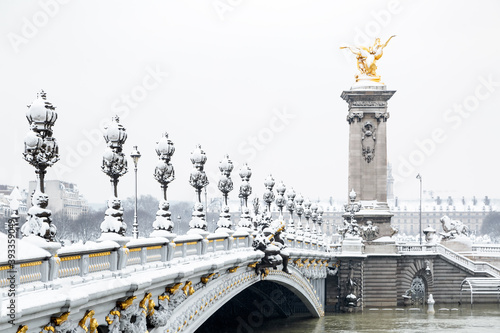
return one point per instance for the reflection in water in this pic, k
(479, 318)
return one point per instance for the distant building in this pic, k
(406, 213)
(63, 196)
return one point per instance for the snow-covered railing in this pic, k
(4, 276)
(102, 261)
(490, 248)
(241, 239)
(145, 250)
(31, 271)
(187, 245)
(79, 260)
(452, 256)
(218, 242)
(70, 266)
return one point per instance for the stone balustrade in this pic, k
(455, 257)
(101, 259)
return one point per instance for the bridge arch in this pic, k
(205, 302)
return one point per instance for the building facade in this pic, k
(63, 196)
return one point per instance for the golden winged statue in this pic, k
(367, 58)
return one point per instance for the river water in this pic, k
(466, 318)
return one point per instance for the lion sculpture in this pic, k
(453, 228)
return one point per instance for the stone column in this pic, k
(367, 118)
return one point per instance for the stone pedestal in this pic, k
(367, 117)
(352, 245)
(383, 245)
(461, 243)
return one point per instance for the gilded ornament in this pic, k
(366, 57)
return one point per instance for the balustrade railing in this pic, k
(101, 261)
(4, 276)
(69, 266)
(453, 256)
(80, 260)
(490, 248)
(30, 271)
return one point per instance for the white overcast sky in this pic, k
(259, 80)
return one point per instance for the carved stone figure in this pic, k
(224, 222)
(352, 286)
(350, 229)
(113, 220)
(38, 222)
(269, 241)
(453, 228)
(163, 220)
(368, 141)
(370, 231)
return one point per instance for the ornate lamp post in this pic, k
(164, 173)
(256, 213)
(314, 218)
(198, 180)
(41, 151)
(307, 215)
(114, 164)
(290, 205)
(245, 191)
(268, 193)
(352, 208)
(299, 209)
(135, 226)
(280, 199)
(225, 185)
(320, 222)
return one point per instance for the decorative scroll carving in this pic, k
(382, 116)
(368, 141)
(354, 116)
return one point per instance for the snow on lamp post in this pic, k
(352, 208)
(290, 206)
(41, 151)
(299, 210)
(225, 185)
(114, 164)
(164, 173)
(280, 198)
(198, 179)
(245, 191)
(314, 219)
(135, 226)
(268, 195)
(320, 222)
(307, 215)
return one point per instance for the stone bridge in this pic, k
(150, 284)
(161, 285)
